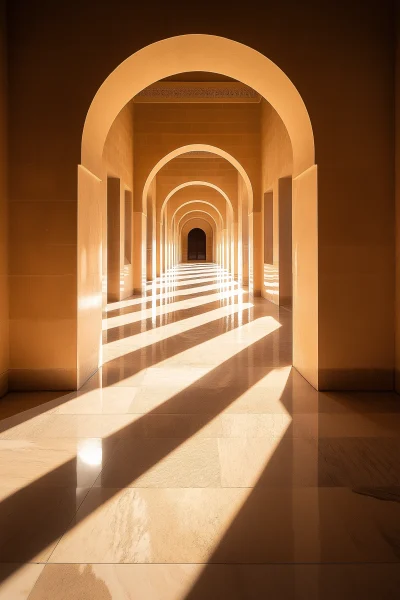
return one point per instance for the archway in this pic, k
(198, 52)
(224, 215)
(196, 244)
(206, 221)
(196, 183)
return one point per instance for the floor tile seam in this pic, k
(188, 414)
(233, 564)
(264, 436)
(160, 488)
(104, 465)
(215, 324)
(68, 525)
(205, 414)
(197, 436)
(35, 582)
(159, 298)
(366, 562)
(89, 488)
(139, 322)
(276, 488)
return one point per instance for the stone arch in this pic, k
(202, 148)
(196, 202)
(216, 220)
(194, 217)
(201, 52)
(205, 225)
(197, 52)
(196, 183)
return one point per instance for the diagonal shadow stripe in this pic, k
(35, 516)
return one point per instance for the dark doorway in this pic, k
(196, 244)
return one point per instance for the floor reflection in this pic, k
(198, 464)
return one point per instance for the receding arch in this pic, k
(196, 202)
(216, 220)
(196, 183)
(194, 217)
(200, 52)
(197, 52)
(198, 215)
(195, 148)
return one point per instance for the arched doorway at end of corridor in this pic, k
(196, 244)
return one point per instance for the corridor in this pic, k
(197, 463)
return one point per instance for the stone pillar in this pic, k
(113, 239)
(285, 241)
(255, 252)
(235, 249)
(93, 194)
(139, 252)
(158, 248)
(305, 275)
(245, 247)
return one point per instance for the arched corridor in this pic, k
(197, 339)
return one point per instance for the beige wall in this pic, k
(118, 158)
(4, 355)
(356, 214)
(243, 231)
(118, 150)
(277, 165)
(397, 191)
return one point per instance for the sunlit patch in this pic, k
(246, 415)
(90, 452)
(169, 294)
(201, 359)
(131, 343)
(177, 283)
(155, 310)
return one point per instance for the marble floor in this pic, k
(198, 464)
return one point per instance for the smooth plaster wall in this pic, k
(243, 231)
(118, 157)
(118, 149)
(277, 164)
(4, 338)
(397, 190)
(345, 74)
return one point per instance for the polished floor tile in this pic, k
(236, 582)
(198, 464)
(163, 463)
(69, 426)
(100, 401)
(60, 462)
(18, 580)
(228, 525)
(33, 519)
